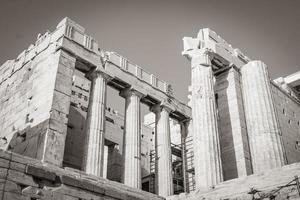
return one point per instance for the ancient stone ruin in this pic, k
(60, 141)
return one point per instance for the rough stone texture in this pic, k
(25, 178)
(234, 145)
(34, 103)
(74, 145)
(288, 114)
(95, 124)
(262, 124)
(237, 189)
(163, 169)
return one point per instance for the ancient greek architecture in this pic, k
(237, 138)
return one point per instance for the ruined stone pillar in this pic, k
(262, 124)
(132, 139)
(163, 169)
(95, 124)
(207, 161)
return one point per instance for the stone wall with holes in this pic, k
(25, 178)
(288, 112)
(233, 139)
(35, 93)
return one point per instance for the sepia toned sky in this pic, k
(150, 32)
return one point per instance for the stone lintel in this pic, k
(118, 74)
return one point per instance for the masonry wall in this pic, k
(235, 153)
(288, 113)
(24, 178)
(26, 93)
(35, 94)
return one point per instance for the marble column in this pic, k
(262, 124)
(95, 125)
(163, 168)
(132, 139)
(207, 160)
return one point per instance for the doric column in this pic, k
(207, 161)
(95, 124)
(262, 124)
(163, 169)
(132, 139)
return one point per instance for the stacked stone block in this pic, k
(23, 178)
(35, 97)
(288, 114)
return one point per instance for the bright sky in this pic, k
(150, 32)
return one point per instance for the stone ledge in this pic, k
(238, 189)
(25, 178)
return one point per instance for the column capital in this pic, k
(96, 73)
(201, 57)
(185, 122)
(184, 126)
(159, 107)
(130, 91)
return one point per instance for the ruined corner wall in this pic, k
(288, 114)
(234, 147)
(34, 101)
(26, 178)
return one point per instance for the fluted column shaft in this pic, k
(95, 125)
(207, 161)
(262, 123)
(163, 174)
(132, 140)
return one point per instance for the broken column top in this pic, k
(223, 53)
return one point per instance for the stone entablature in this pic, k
(123, 72)
(222, 54)
(137, 71)
(77, 34)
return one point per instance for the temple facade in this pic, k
(239, 126)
